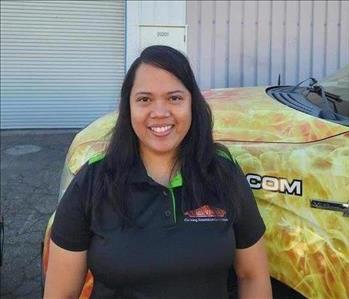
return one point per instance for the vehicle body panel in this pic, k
(308, 249)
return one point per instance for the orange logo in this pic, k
(206, 212)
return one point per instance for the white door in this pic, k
(173, 36)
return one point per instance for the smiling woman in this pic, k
(166, 212)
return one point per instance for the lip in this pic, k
(162, 132)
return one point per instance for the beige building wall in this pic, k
(249, 43)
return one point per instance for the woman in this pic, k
(166, 212)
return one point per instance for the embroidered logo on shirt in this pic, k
(205, 214)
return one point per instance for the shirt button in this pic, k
(164, 193)
(167, 213)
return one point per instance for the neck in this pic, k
(159, 167)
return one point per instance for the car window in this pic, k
(338, 83)
(327, 99)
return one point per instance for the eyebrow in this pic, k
(149, 93)
(175, 91)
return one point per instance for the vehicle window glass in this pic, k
(327, 99)
(338, 83)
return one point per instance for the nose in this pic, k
(159, 110)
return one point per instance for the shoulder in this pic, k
(89, 171)
(223, 153)
(226, 160)
(85, 183)
(232, 169)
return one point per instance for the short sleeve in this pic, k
(248, 226)
(71, 229)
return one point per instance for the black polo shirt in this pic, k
(170, 253)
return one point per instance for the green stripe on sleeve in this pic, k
(95, 158)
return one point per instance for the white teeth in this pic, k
(160, 129)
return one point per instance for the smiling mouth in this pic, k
(161, 130)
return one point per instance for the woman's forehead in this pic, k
(151, 79)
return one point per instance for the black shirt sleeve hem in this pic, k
(250, 242)
(68, 245)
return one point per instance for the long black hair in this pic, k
(201, 168)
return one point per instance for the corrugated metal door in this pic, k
(62, 62)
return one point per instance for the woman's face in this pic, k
(160, 110)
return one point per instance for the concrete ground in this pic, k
(31, 165)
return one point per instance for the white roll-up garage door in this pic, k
(62, 62)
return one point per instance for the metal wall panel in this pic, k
(236, 43)
(62, 62)
(249, 43)
(220, 66)
(343, 24)
(264, 43)
(206, 45)
(305, 39)
(193, 13)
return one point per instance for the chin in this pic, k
(162, 150)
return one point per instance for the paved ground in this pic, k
(31, 164)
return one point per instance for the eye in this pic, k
(175, 98)
(143, 100)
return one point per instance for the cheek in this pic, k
(189, 123)
(186, 119)
(189, 115)
(137, 121)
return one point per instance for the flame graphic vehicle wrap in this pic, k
(308, 248)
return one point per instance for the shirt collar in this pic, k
(176, 181)
(139, 174)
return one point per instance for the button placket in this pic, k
(167, 204)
